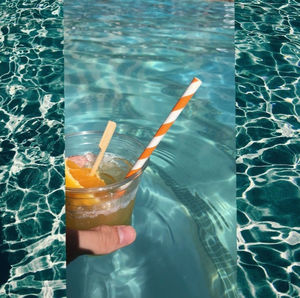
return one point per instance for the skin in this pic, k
(98, 241)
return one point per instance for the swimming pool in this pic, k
(31, 85)
(32, 234)
(129, 61)
(268, 131)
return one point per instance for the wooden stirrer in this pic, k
(104, 142)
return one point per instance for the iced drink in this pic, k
(108, 198)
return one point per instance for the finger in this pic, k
(106, 239)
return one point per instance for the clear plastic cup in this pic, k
(112, 204)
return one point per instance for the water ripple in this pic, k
(268, 131)
(32, 197)
(130, 64)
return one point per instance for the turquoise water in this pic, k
(32, 252)
(130, 61)
(268, 131)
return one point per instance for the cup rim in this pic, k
(112, 185)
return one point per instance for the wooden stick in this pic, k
(104, 142)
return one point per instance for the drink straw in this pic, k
(177, 109)
(103, 144)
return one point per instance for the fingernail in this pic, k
(127, 234)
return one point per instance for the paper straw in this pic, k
(177, 109)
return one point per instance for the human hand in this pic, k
(98, 241)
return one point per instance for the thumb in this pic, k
(106, 239)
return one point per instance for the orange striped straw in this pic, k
(180, 105)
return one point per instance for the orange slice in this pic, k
(76, 177)
(70, 164)
(83, 177)
(70, 180)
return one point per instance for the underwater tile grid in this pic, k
(267, 42)
(32, 247)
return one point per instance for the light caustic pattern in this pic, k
(131, 66)
(268, 132)
(177, 109)
(32, 237)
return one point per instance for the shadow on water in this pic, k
(220, 262)
(177, 252)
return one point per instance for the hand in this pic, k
(98, 241)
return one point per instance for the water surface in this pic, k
(130, 61)
(268, 131)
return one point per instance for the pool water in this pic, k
(130, 61)
(268, 132)
(32, 237)
(32, 233)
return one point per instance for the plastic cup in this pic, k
(109, 205)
